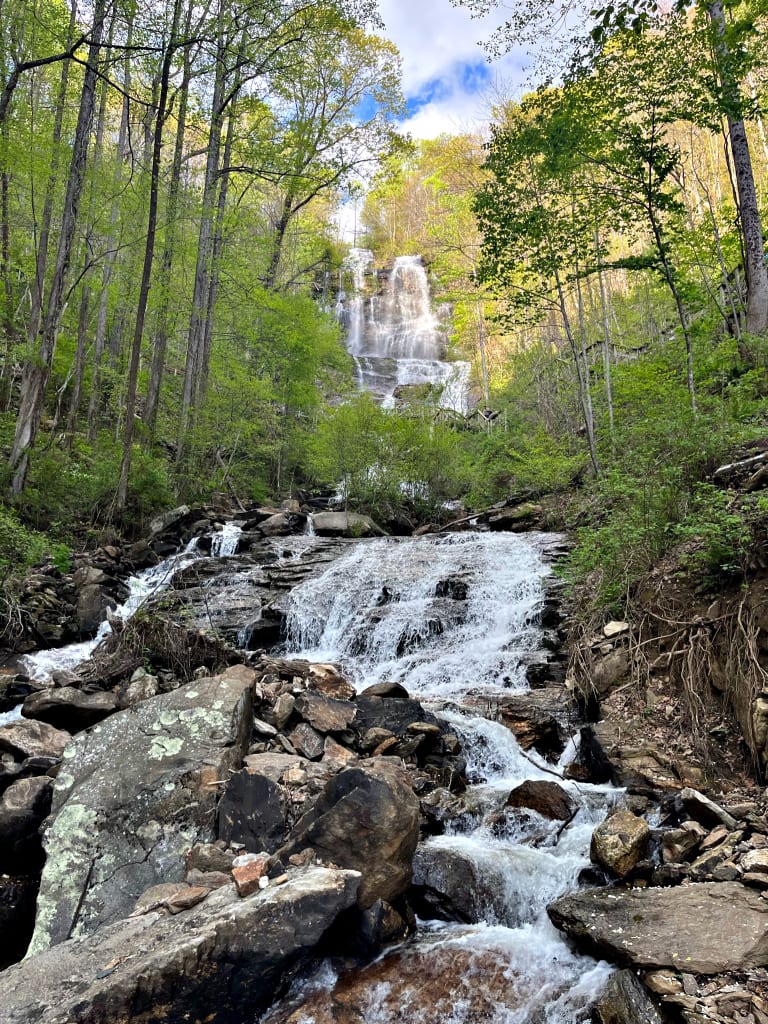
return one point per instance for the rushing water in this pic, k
(395, 337)
(448, 617)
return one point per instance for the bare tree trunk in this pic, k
(200, 297)
(41, 263)
(38, 367)
(100, 336)
(149, 253)
(164, 282)
(605, 317)
(751, 226)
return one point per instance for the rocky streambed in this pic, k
(398, 816)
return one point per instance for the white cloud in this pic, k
(444, 63)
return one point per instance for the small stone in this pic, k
(373, 737)
(208, 857)
(295, 776)
(690, 985)
(280, 880)
(283, 709)
(209, 879)
(247, 874)
(385, 746)
(755, 880)
(756, 861)
(423, 729)
(263, 882)
(451, 743)
(333, 751)
(715, 837)
(307, 741)
(663, 983)
(264, 728)
(614, 628)
(303, 859)
(186, 898)
(287, 746)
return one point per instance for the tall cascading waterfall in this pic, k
(395, 337)
(455, 619)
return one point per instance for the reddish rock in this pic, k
(247, 875)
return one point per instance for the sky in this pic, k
(446, 77)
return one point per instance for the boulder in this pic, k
(307, 741)
(386, 689)
(546, 798)
(17, 918)
(706, 811)
(367, 819)
(134, 793)
(252, 812)
(93, 603)
(706, 927)
(24, 805)
(167, 521)
(619, 842)
(452, 886)
(27, 738)
(220, 961)
(345, 524)
(625, 1001)
(69, 709)
(325, 713)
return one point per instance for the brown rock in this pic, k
(208, 879)
(333, 751)
(328, 680)
(247, 875)
(546, 798)
(186, 898)
(307, 741)
(619, 842)
(326, 714)
(28, 738)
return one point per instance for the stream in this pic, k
(383, 610)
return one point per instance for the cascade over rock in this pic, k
(394, 336)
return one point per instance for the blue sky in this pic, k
(447, 81)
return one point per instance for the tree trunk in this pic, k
(149, 252)
(37, 367)
(200, 297)
(164, 282)
(751, 227)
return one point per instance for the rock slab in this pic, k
(219, 961)
(704, 928)
(132, 796)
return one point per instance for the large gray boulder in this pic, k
(345, 524)
(219, 962)
(133, 794)
(704, 928)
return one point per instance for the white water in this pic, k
(522, 860)
(339, 616)
(42, 664)
(225, 542)
(395, 337)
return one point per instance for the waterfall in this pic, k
(225, 542)
(395, 337)
(450, 616)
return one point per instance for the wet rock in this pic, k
(281, 524)
(539, 719)
(23, 807)
(134, 793)
(386, 689)
(345, 524)
(325, 713)
(708, 927)
(393, 714)
(17, 917)
(452, 886)
(619, 842)
(93, 603)
(28, 738)
(70, 709)
(329, 680)
(367, 819)
(154, 967)
(252, 812)
(466, 979)
(625, 1001)
(546, 798)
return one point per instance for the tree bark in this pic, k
(38, 365)
(149, 252)
(749, 214)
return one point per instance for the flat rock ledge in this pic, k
(703, 928)
(220, 961)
